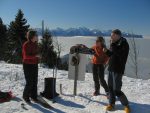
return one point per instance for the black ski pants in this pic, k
(115, 84)
(98, 77)
(31, 77)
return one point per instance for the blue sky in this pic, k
(127, 15)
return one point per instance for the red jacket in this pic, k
(99, 57)
(29, 52)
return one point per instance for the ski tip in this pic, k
(49, 107)
(54, 101)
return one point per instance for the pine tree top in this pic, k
(1, 22)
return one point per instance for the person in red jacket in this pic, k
(30, 66)
(99, 60)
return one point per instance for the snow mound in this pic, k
(12, 78)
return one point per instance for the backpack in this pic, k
(5, 96)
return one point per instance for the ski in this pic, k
(52, 100)
(23, 106)
(43, 103)
(55, 99)
(40, 101)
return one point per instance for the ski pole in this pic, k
(54, 79)
(53, 83)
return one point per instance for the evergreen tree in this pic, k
(16, 37)
(63, 66)
(3, 35)
(49, 56)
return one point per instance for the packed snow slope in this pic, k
(12, 78)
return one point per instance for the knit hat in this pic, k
(31, 34)
(117, 31)
(100, 39)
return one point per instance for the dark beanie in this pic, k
(117, 31)
(31, 34)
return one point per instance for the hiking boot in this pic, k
(27, 100)
(127, 109)
(56, 94)
(96, 93)
(110, 107)
(35, 100)
(107, 95)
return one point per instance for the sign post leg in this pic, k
(75, 79)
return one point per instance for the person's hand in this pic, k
(92, 51)
(105, 50)
(105, 66)
(38, 56)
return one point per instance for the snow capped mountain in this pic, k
(83, 31)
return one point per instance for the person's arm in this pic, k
(92, 51)
(106, 60)
(108, 52)
(119, 53)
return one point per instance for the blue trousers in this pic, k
(115, 85)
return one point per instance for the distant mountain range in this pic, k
(83, 31)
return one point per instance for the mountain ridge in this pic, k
(83, 31)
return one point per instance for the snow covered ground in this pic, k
(12, 78)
